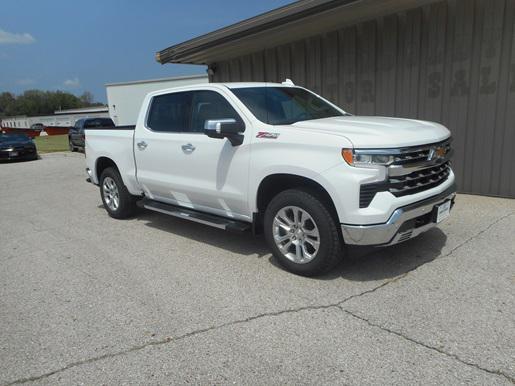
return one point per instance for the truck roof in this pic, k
(221, 85)
(254, 84)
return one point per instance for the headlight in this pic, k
(7, 149)
(363, 159)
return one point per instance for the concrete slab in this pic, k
(91, 299)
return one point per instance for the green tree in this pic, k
(38, 102)
(7, 102)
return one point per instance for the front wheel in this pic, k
(70, 145)
(302, 233)
(117, 200)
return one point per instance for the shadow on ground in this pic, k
(240, 243)
(376, 263)
(359, 264)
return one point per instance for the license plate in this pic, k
(443, 211)
(13, 154)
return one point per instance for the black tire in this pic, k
(126, 202)
(70, 145)
(330, 250)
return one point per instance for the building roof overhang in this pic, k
(283, 25)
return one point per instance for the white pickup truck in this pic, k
(277, 159)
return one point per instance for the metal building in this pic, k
(450, 61)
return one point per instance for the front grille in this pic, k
(419, 181)
(413, 170)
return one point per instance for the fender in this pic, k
(293, 171)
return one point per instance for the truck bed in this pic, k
(129, 127)
(114, 143)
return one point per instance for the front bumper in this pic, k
(22, 153)
(404, 223)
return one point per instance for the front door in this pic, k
(177, 163)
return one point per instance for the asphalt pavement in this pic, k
(86, 299)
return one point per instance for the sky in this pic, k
(79, 45)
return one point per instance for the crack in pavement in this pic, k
(193, 333)
(278, 313)
(419, 343)
(176, 339)
(487, 228)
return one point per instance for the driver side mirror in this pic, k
(225, 128)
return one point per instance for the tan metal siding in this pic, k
(451, 61)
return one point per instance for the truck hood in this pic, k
(378, 132)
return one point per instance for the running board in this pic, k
(192, 215)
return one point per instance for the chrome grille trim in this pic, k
(402, 151)
(410, 160)
(421, 168)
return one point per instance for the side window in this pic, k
(170, 112)
(255, 99)
(207, 105)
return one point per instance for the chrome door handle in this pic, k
(142, 145)
(188, 148)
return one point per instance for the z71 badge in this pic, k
(266, 134)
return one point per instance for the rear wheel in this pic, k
(117, 200)
(302, 233)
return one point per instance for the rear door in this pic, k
(156, 143)
(177, 163)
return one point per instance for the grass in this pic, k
(51, 143)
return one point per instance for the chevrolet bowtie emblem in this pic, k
(440, 152)
(436, 153)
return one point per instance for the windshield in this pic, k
(284, 105)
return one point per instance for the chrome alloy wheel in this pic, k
(110, 192)
(296, 234)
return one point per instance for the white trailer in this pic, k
(125, 99)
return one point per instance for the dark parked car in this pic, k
(37, 127)
(15, 146)
(76, 133)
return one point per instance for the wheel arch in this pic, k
(101, 164)
(273, 184)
